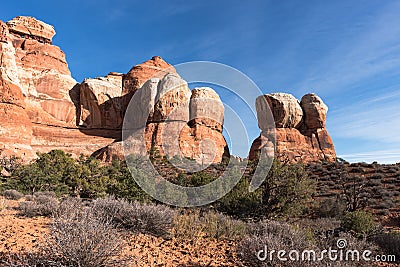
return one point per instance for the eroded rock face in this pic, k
(32, 28)
(206, 108)
(169, 131)
(314, 111)
(39, 99)
(172, 100)
(43, 108)
(300, 135)
(139, 74)
(15, 126)
(100, 102)
(285, 108)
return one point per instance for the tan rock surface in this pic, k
(314, 111)
(285, 108)
(172, 100)
(100, 102)
(206, 108)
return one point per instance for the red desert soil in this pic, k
(20, 234)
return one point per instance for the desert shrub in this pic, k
(281, 236)
(69, 207)
(41, 205)
(240, 202)
(143, 218)
(193, 224)
(389, 243)
(44, 194)
(286, 192)
(276, 236)
(9, 164)
(29, 198)
(12, 194)
(86, 241)
(360, 222)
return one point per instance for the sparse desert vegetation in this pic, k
(91, 214)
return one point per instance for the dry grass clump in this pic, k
(12, 194)
(77, 241)
(151, 219)
(281, 236)
(193, 224)
(41, 204)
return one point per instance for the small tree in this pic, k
(354, 191)
(286, 190)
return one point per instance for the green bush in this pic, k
(360, 222)
(286, 192)
(86, 177)
(122, 183)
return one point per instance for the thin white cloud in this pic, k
(381, 156)
(374, 49)
(372, 119)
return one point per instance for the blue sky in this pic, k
(348, 52)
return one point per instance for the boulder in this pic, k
(285, 108)
(314, 111)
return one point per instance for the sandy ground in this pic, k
(19, 234)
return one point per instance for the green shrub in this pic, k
(360, 222)
(123, 184)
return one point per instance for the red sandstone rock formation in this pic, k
(300, 132)
(43, 108)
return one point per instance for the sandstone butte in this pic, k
(43, 108)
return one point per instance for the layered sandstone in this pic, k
(32, 28)
(40, 113)
(300, 133)
(166, 116)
